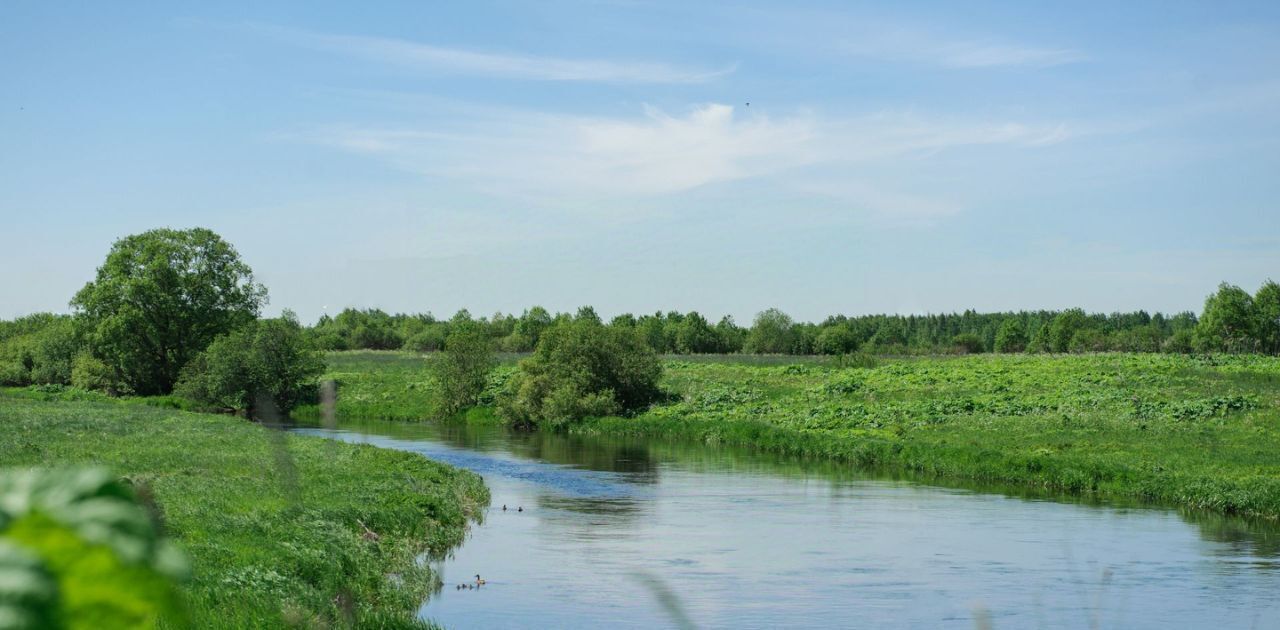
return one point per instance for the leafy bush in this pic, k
(429, 339)
(53, 352)
(1088, 340)
(581, 369)
(462, 368)
(87, 372)
(267, 362)
(1011, 337)
(77, 552)
(968, 343)
(836, 340)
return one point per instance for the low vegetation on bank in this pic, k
(1199, 431)
(279, 530)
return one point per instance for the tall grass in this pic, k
(337, 545)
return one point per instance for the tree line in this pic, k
(179, 311)
(1232, 321)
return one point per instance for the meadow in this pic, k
(281, 530)
(1195, 431)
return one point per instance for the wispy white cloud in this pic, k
(572, 160)
(424, 57)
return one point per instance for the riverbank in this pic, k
(281, 530)
(1191, 431)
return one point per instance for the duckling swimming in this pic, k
(520, 509)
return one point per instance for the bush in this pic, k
(1088, 340)
(87, 372)
(53, 353)
(836, 340)
(581, 369)
(968, 343)
(1011, 337)
(429, 340)
(269, 362)
(77, 551)
(462, 368)
(13, 374)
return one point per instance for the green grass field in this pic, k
(281, 530)
(1201, 432)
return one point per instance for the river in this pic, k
(627, 532)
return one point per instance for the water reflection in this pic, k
(759, 540)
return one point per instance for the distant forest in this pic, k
(1233, 321)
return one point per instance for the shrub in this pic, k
(1088, 340)
(836, 340)
(268, 362)
(1064, 328)
(772, 333)
(1011, 337)
(77, 551)
(87, 372)
(429, 339)
(53, 353)
(968, 343)
(462, 368)
(13, 374)
(581, 369)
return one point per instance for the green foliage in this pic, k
(89, 372)
(160, 299)
(1088, 340)
(968, 343)
(836, 340)
(1064, 327)
(1195, 431)
(461, 371)
(1011, 337)
(265, 552)
(95, 555)
(38, 349)
(582, 368)
(1266, 304)
(1229, 323)
(772, 333)
(267, 362)
(54, 351)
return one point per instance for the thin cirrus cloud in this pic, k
(568, 159)
(429, 58)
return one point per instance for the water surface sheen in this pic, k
(752, 540)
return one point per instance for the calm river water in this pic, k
(642, 533)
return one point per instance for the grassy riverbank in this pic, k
(1199, 432)
(281, 530)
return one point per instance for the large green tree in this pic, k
(1229, 323)
(772, 333)
(160, 299)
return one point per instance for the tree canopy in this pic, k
(160, 299)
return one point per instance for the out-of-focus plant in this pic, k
(77, 551)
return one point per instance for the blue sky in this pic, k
(895, 157)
